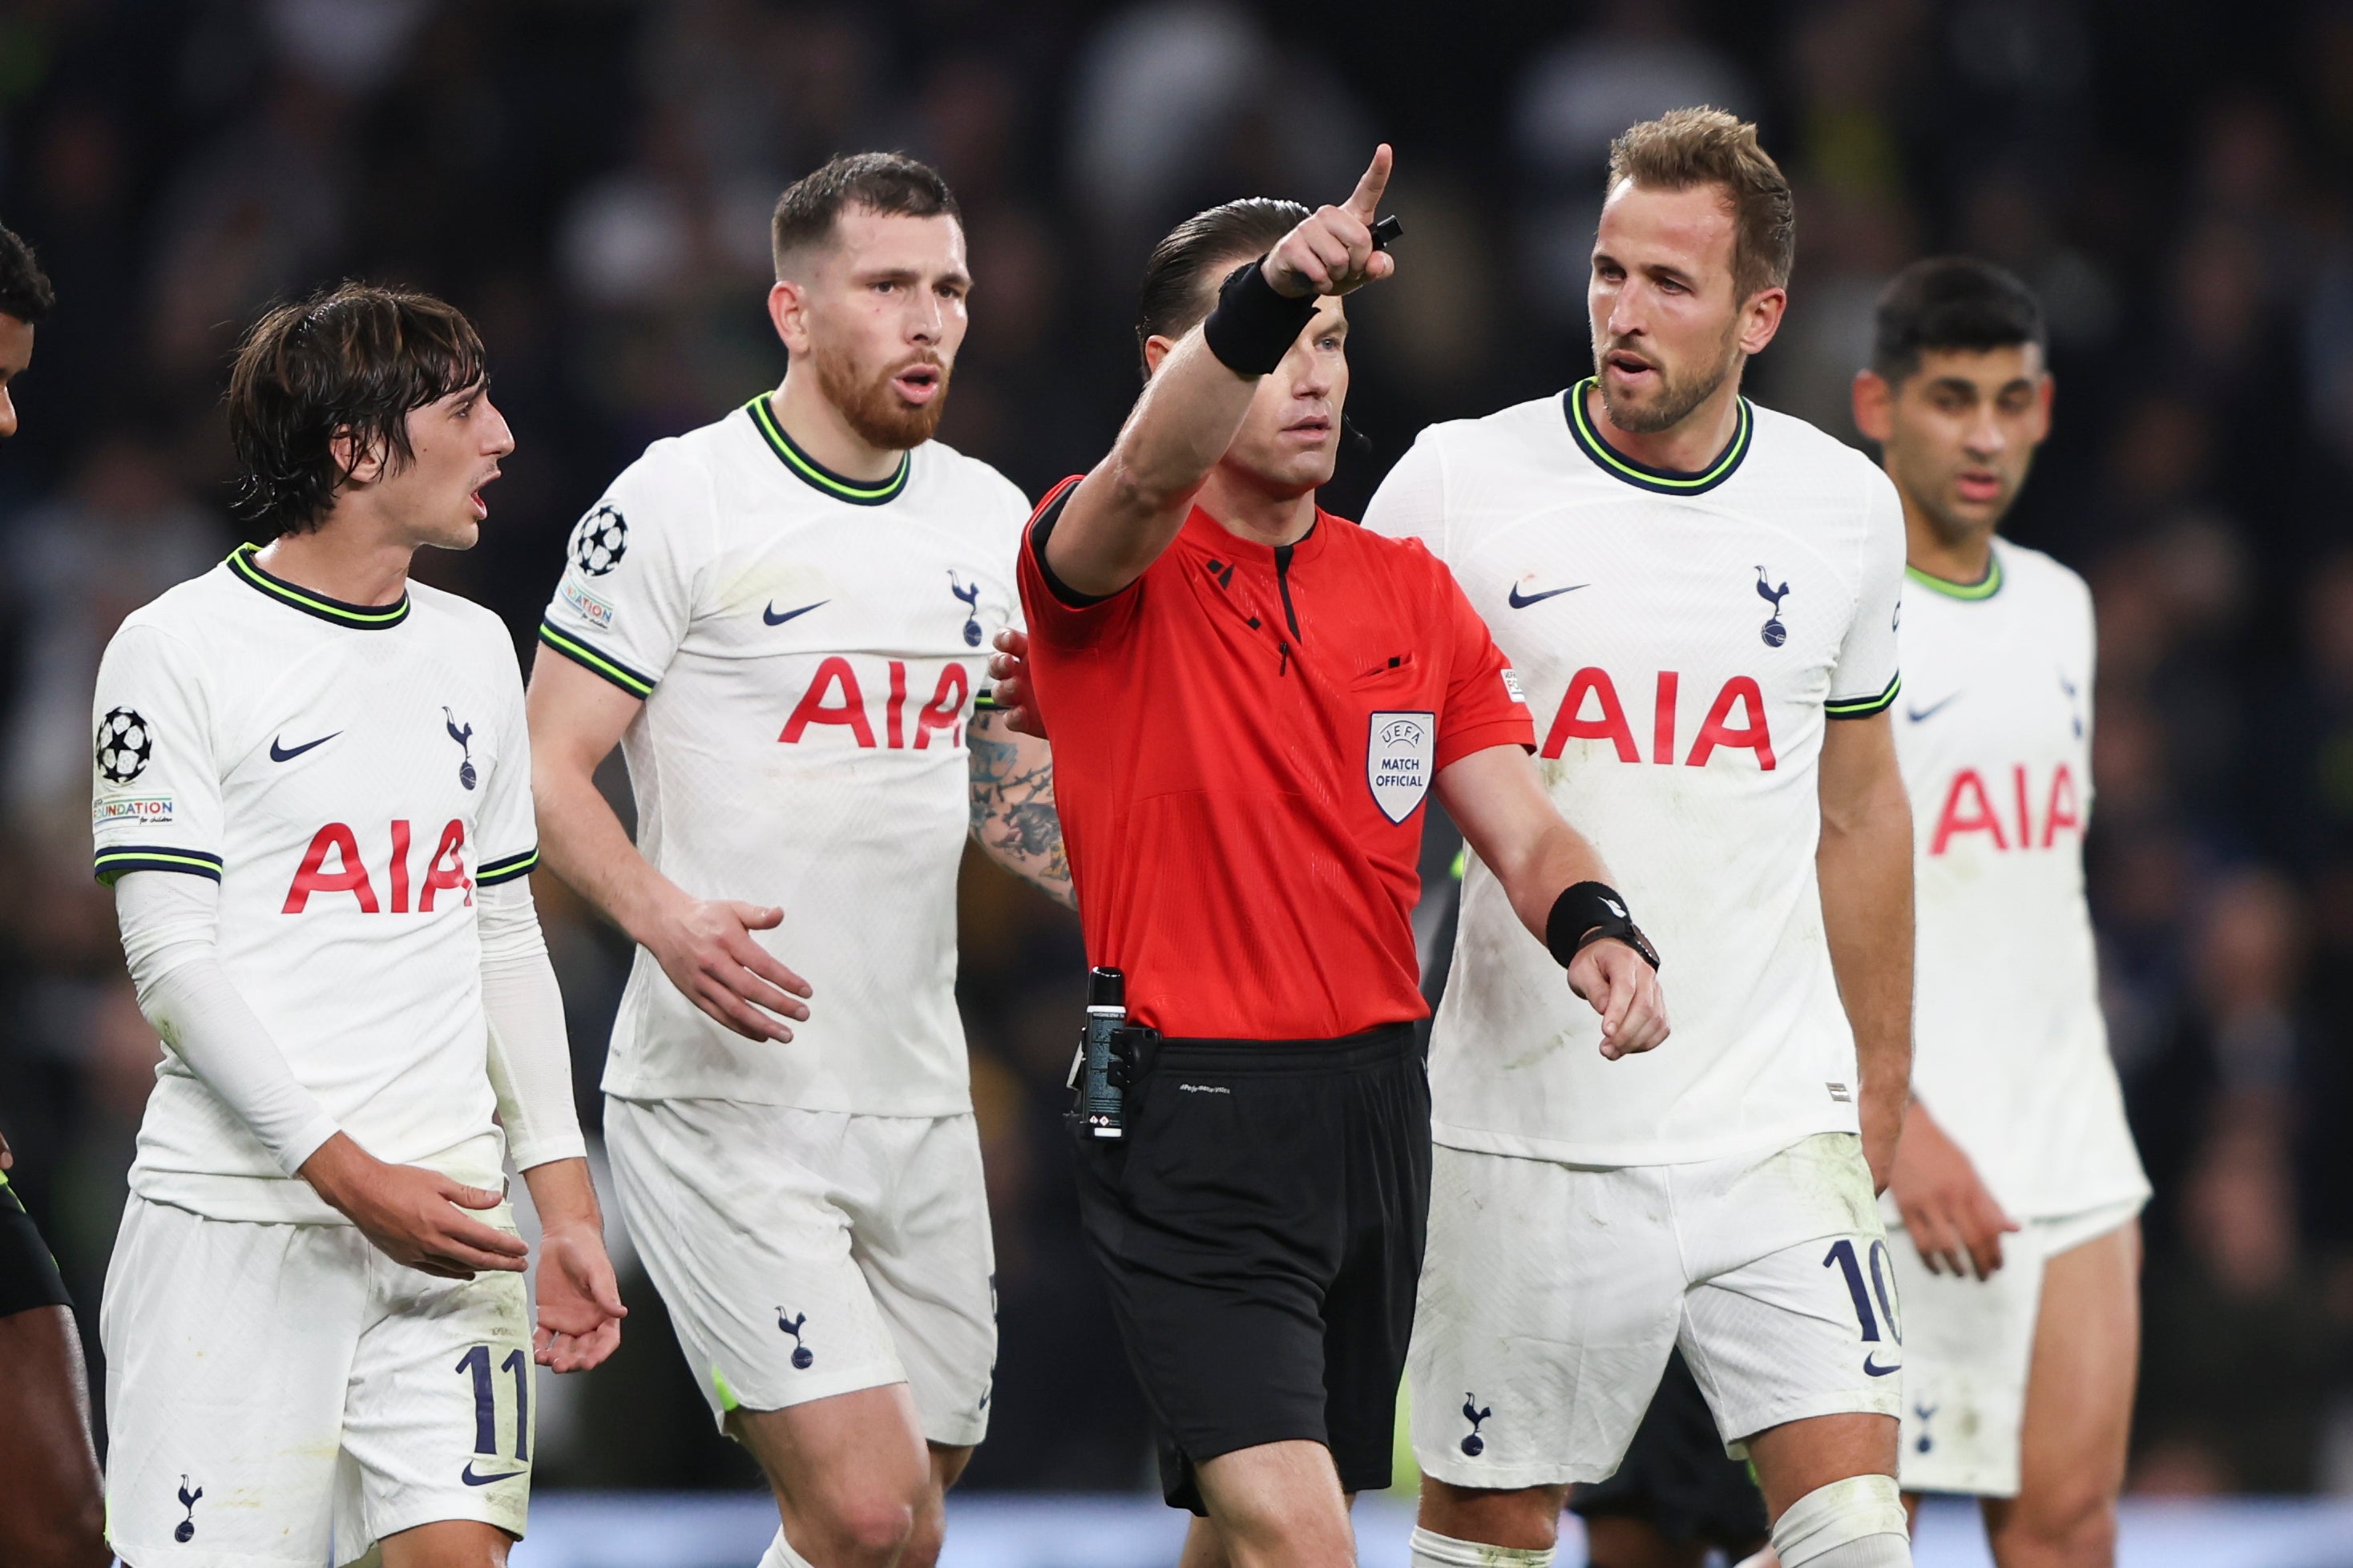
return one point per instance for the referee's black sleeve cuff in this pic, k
(1041, 529)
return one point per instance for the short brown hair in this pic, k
(1180, 280)
(1704, 146)
(354, 361)
(889, 183)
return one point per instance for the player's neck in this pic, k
(1249, 512)
(817, 428)
(343, 559)
(1688, 446)
(1929, 549)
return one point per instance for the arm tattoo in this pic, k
(1013, 816)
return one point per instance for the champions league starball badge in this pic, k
(1774, 633)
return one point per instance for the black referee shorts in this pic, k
(29, 1275)
(1676, 1479)
(1260, 1228)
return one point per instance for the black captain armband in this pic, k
(1589, 913)
(1253, 327)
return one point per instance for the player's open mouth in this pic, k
(482, 506)
(1628, 367)
(1979, 486)
(918, 384)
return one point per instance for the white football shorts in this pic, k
(808, 1253)
(1551, 1293)
(1968, 1346)
(288, 1394)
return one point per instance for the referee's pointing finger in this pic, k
(1367, 197)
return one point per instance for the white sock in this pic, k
(1431, 1549)
(1854, 1523)
(781, 1555)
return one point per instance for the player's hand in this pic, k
(1331, 252)
(415, 1217)
(1008, 678)
(705, 946)
(1944, 1203)
(1624, 989)
(580, 1309)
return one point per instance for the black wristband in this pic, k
(1253, 327)
(1589, 913)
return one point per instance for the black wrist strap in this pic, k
(1589, 913)
(1253, 327)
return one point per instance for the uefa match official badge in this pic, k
(1397, 761)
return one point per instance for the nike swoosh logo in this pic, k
(278, 754)
(1870, 1366)
(774, 619)
(1917, 714)
(471, 1479)
(1520, 601)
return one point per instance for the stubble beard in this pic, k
(873, 408)
(1677, 397)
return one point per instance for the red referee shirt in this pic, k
(1243, 740)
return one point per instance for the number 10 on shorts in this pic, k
(1882, 1287)
(476, 1363)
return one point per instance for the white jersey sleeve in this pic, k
(628, 593)
(155, 795)
(1412, 501)
(508, 824)
(1866, 677)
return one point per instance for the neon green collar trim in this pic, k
(1662, 481)
(359, 618)
(1985, 587)
(816, 474)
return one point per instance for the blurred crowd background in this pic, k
(591, 179)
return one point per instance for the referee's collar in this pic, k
(1660, 481)
(816, 475)
(1208, 533)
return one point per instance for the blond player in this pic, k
(1700, 597)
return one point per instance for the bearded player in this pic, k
(2016, 1185)
(1701, 597)
(312, 796)
(780, 617)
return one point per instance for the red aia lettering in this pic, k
(1593, 688)
(813, 708)
(945, 710)
(349, 876)
(1569, 723)
(2066, 808)
(820, 705)
(1718, 731)
(1968, 808)
(439, 875)
(445, 872)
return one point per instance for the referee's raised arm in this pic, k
(1128, 509)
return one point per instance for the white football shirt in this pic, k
(809, 650)
(2010, 1052)
(349, 774)
(1683, 640)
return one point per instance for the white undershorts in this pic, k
(286, 1393)
(1969, 1345)
(803, 1254)
(1551, 1293)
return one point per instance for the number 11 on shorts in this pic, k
(477, 1361)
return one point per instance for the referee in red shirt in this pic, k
(1250, 700)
